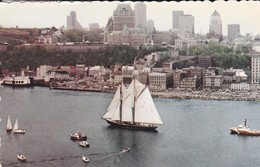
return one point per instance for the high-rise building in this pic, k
(255, 69)
(186, 25)
(233, 31)
(175, 18)
(215, 26)
(93, 26)
(140, 15)
(149, 26)
(72, 22)
(123, 17)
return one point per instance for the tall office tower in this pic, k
(233, 31)
(255, 69)
(149, 26)
(215, 26)
(123, 17)
(72, 22)
(186, 25)
(175, 19)
(140, 15)
(93, 26)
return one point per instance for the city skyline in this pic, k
(47, 14)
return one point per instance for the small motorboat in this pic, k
(78, 136)
(21, 157)
(85, 159)
(84, 143)
(126, 150)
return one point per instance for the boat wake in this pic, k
(94, 157)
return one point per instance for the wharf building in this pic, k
(215, 26)
(72, 22)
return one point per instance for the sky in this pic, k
(47, 14)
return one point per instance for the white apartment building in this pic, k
(160, 81)
(185, 43)
(255, 71)
(212, 82)
(240, 86)
(41, 72)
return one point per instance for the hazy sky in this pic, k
(47, 14)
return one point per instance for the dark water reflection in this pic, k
(195, 132)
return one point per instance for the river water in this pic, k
(195, 133)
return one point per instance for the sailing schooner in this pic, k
(133, 107)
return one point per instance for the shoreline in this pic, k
(178, 94)
(202, 95)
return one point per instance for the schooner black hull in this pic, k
(131, 126)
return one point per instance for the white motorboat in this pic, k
(85, 159)
(16, 129)
(21, 157)
(84, 143)
(126, 150)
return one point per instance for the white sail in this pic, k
(127, 113)
(135, 99)
(145, 111)
(16, 124)
(114, 106)
(9, 124)
(135, 88)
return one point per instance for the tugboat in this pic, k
(78, 136)
(234, 130)
(244, 130)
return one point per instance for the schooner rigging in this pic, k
(133, 107)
